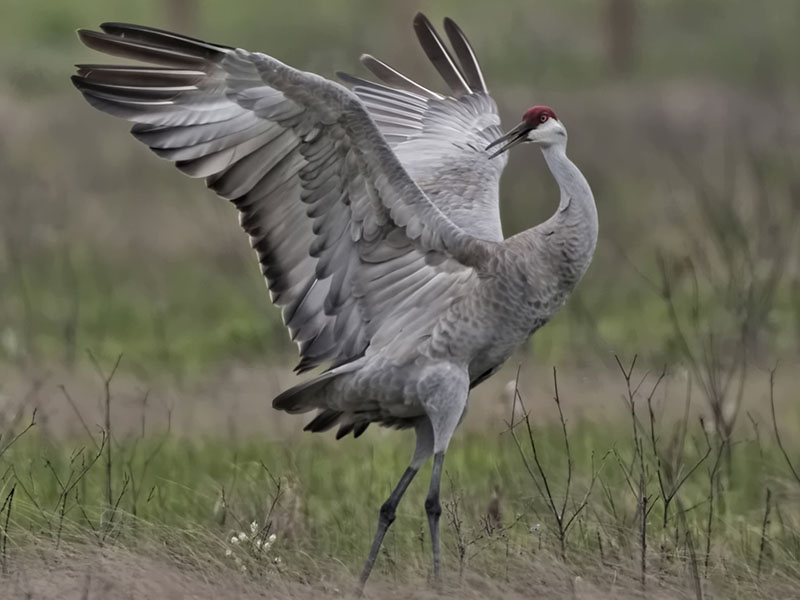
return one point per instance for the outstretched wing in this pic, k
(441, 140)
(346, 240)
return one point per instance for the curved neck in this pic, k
(568, 238)
(577, 202)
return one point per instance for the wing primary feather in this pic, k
(167, 39)
(393, 77)
(123, 48)
(438, 54)
(404, 97)
(466, 56)
(127, 75)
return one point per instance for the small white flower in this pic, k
(536, 528)
(272, 538)
(234, 540)
(276, 560)
(244, 569)
(228, 552)
(258, 544)
(253, 527)
(242, 536)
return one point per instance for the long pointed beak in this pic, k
(510, 139)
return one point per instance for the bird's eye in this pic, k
(543, 118)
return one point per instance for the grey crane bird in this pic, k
(374, 214)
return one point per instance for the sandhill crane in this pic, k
(374, 214)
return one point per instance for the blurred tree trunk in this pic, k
(621, 34)
(182, 15)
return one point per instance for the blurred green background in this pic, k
(682, 114)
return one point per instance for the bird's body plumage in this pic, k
(374, 214)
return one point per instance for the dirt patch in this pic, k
(114, 574)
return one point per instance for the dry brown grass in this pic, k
(115, 574)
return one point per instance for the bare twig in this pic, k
(693, 566)
(778, 439)
(110, 522)
(640, 492)
(667, 472)
(712, 477)
(107, 405)
(539, 476)
(7, 507)
(14, 440)
(764, 524)
(77, 412)
(72, 481)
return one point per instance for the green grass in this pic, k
(77, 274)
(180, 319)
(184, 317)
(321, 498)
(83, 209)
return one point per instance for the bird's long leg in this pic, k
(385, 519)
(434, 510)
(422, 451)
(445, 392)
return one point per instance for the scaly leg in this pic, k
(434, 510)
(422, 451)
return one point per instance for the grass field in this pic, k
(135, 485)
(152, 497)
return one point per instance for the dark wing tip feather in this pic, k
(466, 56)
(463, 77)
(89, 37)
(149, 44)
(139, 76)
(164, 39)
(172, 55)
(421, 20)
(438, 54)
(152, 33)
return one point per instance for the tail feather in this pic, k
(344, 430)
(354, 427)
(305, 396)
(323, 421)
